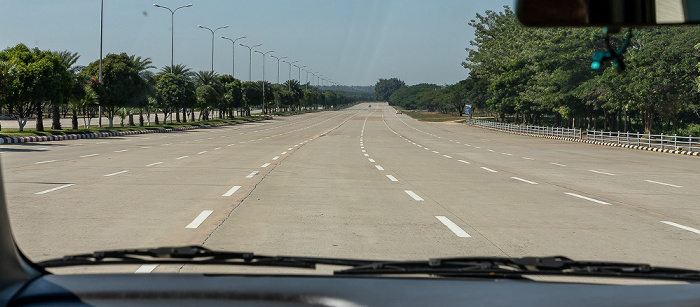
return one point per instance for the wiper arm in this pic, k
(192, 255)
(519, 268)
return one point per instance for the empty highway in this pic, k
(363, 182)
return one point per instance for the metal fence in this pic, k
(662, 141)
(537, 130)
(671, 142)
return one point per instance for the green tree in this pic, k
(172, 91)
(122, 85)
(35, 77)
(385, 87)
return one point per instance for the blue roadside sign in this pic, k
(468, 109)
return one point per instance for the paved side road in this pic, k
(360, 183)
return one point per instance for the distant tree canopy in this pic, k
(385, 87)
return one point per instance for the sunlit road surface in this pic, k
(363, 182)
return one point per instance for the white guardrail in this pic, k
(662, 141)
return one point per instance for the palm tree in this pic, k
(177, 69)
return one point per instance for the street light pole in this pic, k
(172, 29)
(99, 78)
(233, 42)
(299, 72)
(263, 79)
(212, 42)
(278, 67)
(250, 59)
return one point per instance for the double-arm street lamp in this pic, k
(233, 42)
(289, 84)
(263, 78)
(278, 66)
(172, 29)
(212, 42)
(250, 59)
(299, 67)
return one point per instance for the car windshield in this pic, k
(391, 130)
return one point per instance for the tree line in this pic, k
(33, 81)
(543, 76)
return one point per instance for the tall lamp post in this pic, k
(278, 66)
(307, 79)
(212, 42)
(233, 57)
(263, 78)
(99, 77)
(172, 29)
(290, 74)
(250, 59)
(299, 72)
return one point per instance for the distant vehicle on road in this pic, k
(398, 111)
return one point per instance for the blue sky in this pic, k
(349, 42)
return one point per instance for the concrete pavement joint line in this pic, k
(414, 195)
(183, 157)
(199, 219)
(588, 198)
(666, 184)
(392, 178)
(488, 169)
(265, 165)
(599, 172)
(231, 191)
(146, 268)
(523, 180)
(452, 226)
(54, 189)
(92, 155)
(42, 162)
(251, 175)
(557, 164)
(691, 229)
(379, 167)
(117, 173)
(152, 164)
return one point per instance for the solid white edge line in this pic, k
(523, 180)
(691, 229)
(392, 178)
(117, 173)
(54, 189)
(666, 184)
(199, 219)
(146, 268)
(414, 195)
(231, 191)
(452, 226)
(588, 198)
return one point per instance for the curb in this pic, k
(29, 139)
(654, 149)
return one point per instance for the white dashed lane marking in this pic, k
(117, 173)
(231, 191)
(199, 219)
(588, 199)
(152, 164)
(523, 180)
(392, 178)
(666, 184)
(414, 195)
(488, 169)
(48, 161)
(557, 164)
(379, 167)
(251, 175)
(54, 189)
(146, 268)
(691, 229)
(599, 172)
(452, 226)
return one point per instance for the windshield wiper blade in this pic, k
(519, 268)
(192, 255)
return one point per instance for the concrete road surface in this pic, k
(361, 183)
